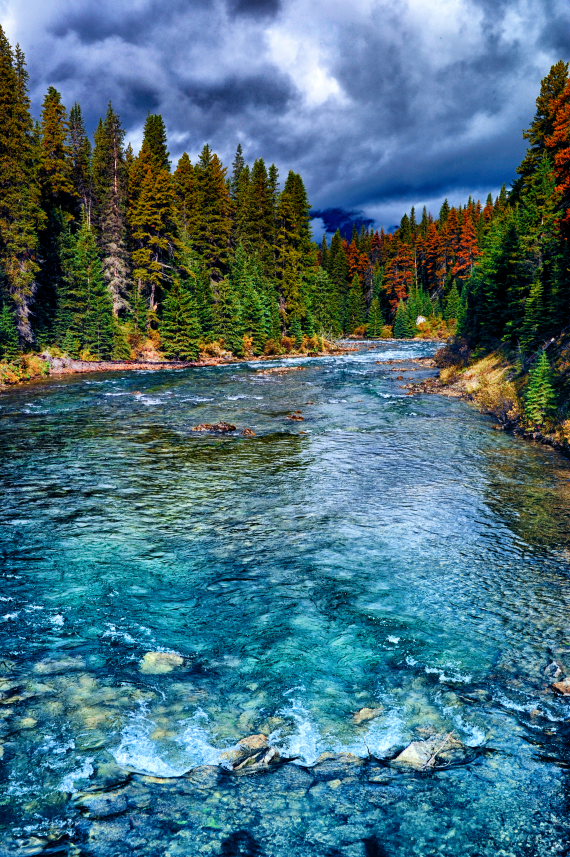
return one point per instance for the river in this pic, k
(388, 551)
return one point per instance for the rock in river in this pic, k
(562, 687)
(215, 427)
(251, 754)
(436, 752)
(366, 714)
(158, 663)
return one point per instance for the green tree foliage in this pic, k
(403, 328)
(21, 216)
(9, 340)
(540, 398)
(180, 327)
(375, 318)
(81, 168)
(453, 304)
(87, 302)
(212, 231)
(356, 305)
(110, 184)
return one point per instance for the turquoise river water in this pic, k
(389, 551)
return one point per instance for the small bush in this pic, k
(273, 348)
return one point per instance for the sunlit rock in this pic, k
(562, 687)
(366, 714)
(438, 751)
(157, 663)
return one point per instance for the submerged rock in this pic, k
(59, 665)
(158, 663)
(248, 432)
(562, 687)
(221, 427)
(366, 714)
(102, 805)
(251, 754)
(296, 417)
(436, 752)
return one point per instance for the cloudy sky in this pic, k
(380, 104)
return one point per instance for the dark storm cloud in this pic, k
(379, 105)
(255, 7)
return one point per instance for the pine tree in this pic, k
(80, 157)
(402, 326)
(213, 229)
(180, 331)
(21, 216)
(356, 305)
(227, 317)
(540, 398)
(185, 190)
(110, 182)
(92, 328)
(375, 318)
(453, 304)
(9, 340)
(542, 126)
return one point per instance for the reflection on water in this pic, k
(387, 552)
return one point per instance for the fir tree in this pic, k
(227, 317)
(540, 398)
(9, 340)
(80, 157)
(180, 330)
(356, 305)
(453, 304)
(110, 182)
(21, 216)
(402, 326)
(375, 318)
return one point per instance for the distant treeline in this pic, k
(105, 253)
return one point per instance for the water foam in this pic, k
(139, 752)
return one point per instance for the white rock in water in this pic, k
(157, 663)
(428, 754)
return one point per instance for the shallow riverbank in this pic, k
(53, 367)
(487, 384)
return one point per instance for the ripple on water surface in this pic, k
(385, 570)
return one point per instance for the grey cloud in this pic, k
(427, 106)
(255, 7)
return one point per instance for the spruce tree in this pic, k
(453, 304)
(213, 229)
(92, 328)
(402, 326)
(540, 398)
(375, 318)
(180, 331)
(81, 170)
(110, 182)
(21, 216)
(9, 340)
(356, 305)
(227, 317)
